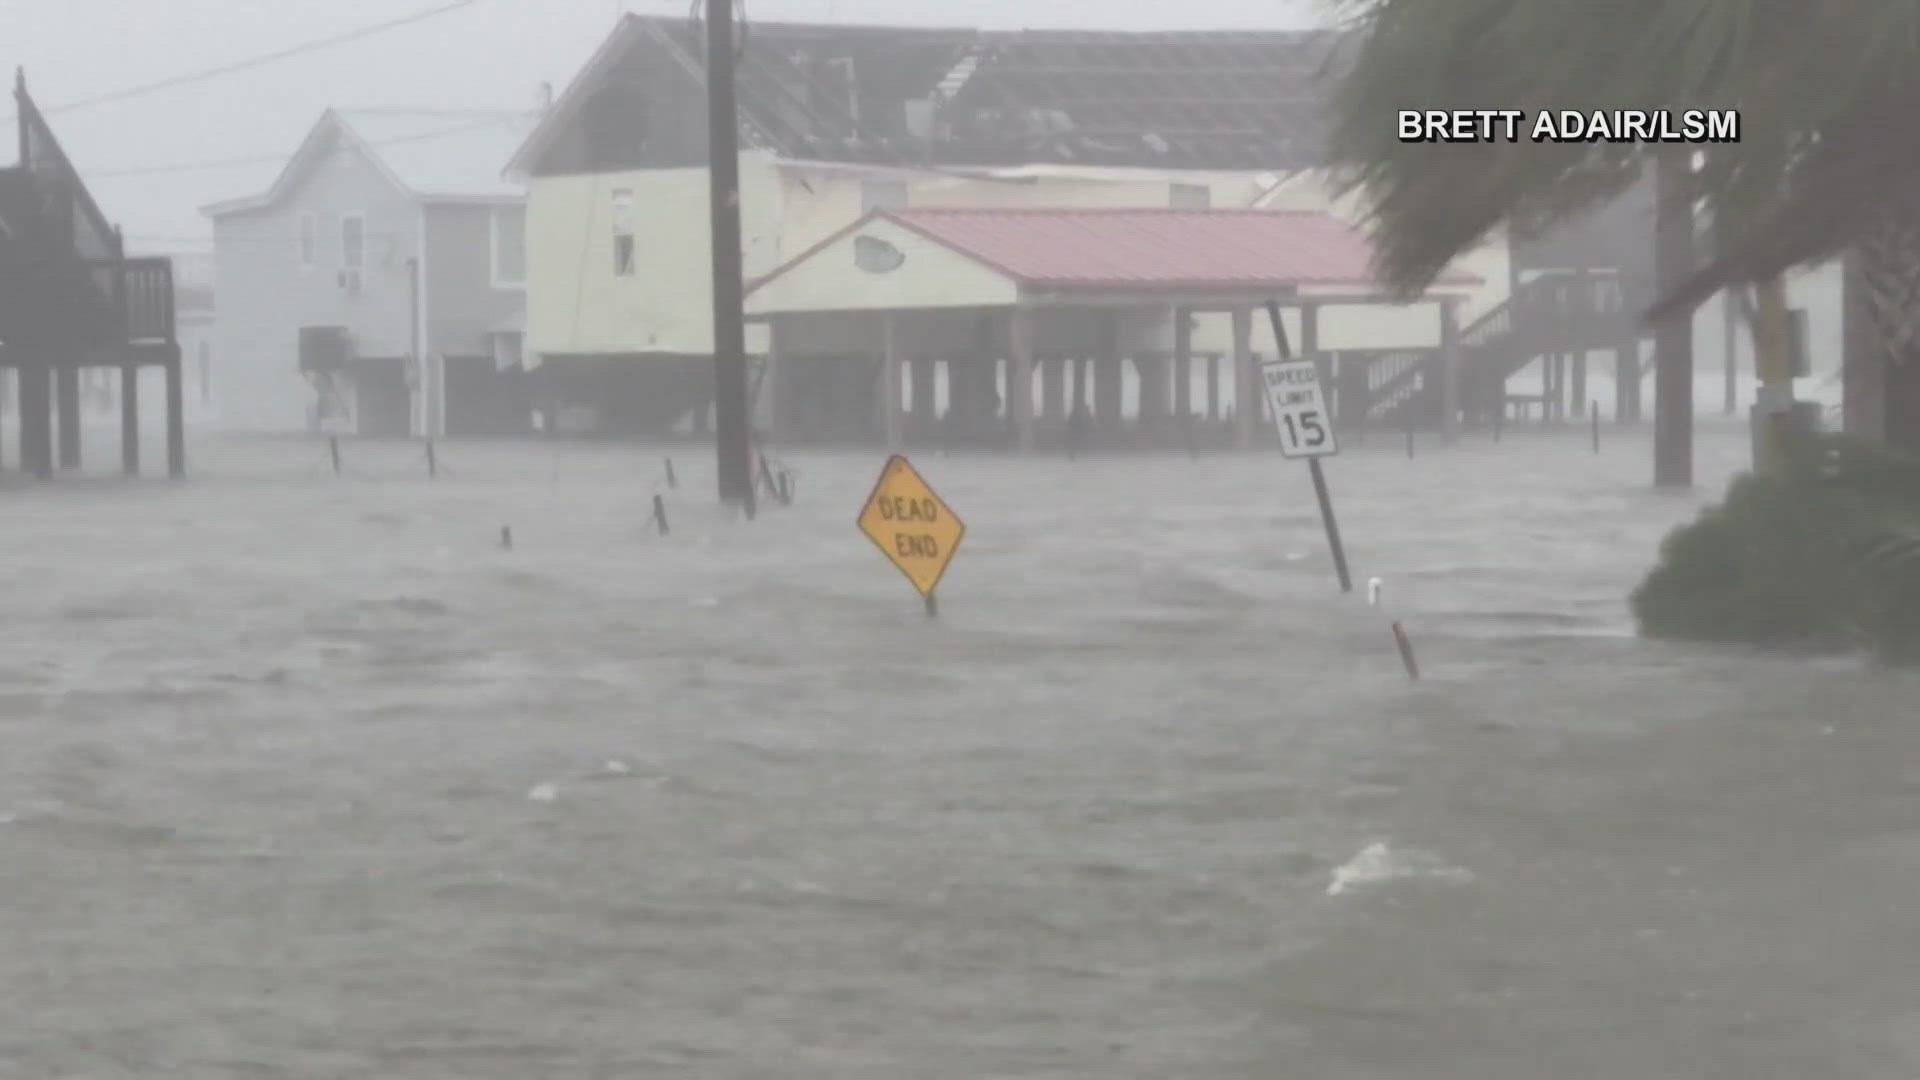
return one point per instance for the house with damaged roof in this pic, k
(838, 123)
(377, 287)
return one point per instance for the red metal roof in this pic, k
(1157, 249)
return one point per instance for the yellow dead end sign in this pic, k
(912, 526)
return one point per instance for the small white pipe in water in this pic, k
(1373, 592)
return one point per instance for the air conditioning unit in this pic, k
(325, 348)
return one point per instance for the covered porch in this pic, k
(1050, 330)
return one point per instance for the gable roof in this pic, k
(1145, 249)
(427, 154)
(1197, 99)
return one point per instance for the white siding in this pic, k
(931, 276)
(266, 295)
(575, 303)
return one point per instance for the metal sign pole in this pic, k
(1285, 352)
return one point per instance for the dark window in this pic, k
(623, 232)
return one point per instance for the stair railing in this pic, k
(1555, 295)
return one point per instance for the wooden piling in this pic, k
(130, 420)
(36, 419)
(176, 419)
(66, 381)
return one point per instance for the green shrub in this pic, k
(1824, 552)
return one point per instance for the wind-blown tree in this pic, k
(1828, 157)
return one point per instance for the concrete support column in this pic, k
(1020, 377)
(1107, 376)
(1053, 396)
(926, 406)
(1310, 350)
(1153, 368)
(1213, 388)
(1450, 369)
(889, 388)
(1626, 377)
(1183, 367)
(1578, 386)
(1246, 381)
(66, 381)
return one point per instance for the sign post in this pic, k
(1305, 426)
(912, 526)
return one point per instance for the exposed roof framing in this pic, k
(1201, 100)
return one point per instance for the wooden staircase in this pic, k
(71, 298)
(1559, 312)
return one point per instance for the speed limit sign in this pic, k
(1299, 411)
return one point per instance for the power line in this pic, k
(257, 61)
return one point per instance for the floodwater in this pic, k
(306, 776)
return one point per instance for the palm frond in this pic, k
(1895, 552)
(1824, 95)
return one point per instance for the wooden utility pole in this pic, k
(733, 453)
(1673, 339)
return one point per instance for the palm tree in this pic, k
(1827, 159)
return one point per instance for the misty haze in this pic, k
(957, 539)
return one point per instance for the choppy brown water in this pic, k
(270, 738)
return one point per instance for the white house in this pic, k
(374, 286)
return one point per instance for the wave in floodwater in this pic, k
(1380, 864)
(387, 799)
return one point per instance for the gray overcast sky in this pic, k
(495, 52)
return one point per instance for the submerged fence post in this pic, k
(660, 514)
(1594, 411)
(1406, 650)
(673, 481)
(333, 451)
(433, 464)
(506, 537)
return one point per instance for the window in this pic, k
(883, 194)
(509, 243)
(353, 241)
(623, 232)
(309, 240)
(1190, 197)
